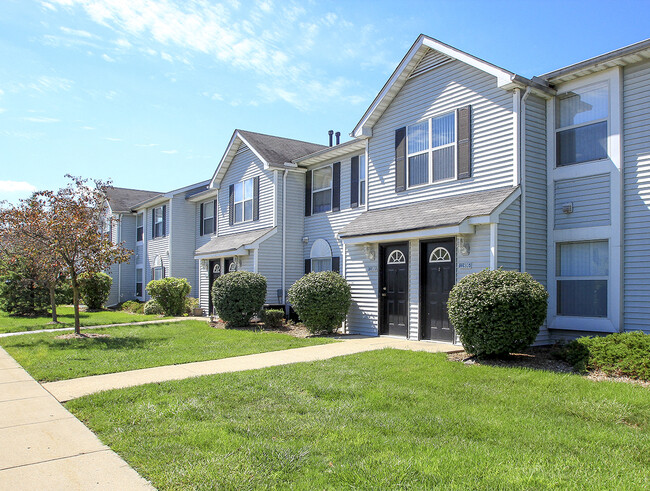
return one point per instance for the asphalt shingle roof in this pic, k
(439, 212)
(277, 150)
(231, 242)
(122, 200)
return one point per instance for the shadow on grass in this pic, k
(107, 343)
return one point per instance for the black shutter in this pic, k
(164, 217)
(308, 193)
(307, 266)
(153, 275)
(464, 150)
(354, 182)
(231, 204)
(201, 219)
(163, 271)
(214, 227)
(153, 223)
(400, 160)
(256, 198)
(336, 186)
(336, 264)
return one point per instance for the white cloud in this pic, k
(123, 43)
(2, 92)
(16, 187)
(166, 56)
(111, 139)
(76, 32)
(3, 109)
(40, 119)
(146, 144)
(215, 96)
(88, 128)
(107, 58)
(169, 152)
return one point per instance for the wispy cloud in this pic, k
(146, 145)
(88, 128)
(169, 152)
(40, 119)
(107, 58)
(16, 187)
(76, 32)
(111, 139)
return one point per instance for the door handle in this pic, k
(383, 294)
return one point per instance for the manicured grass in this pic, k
(129, 347)
(379, 420)
(10, 323)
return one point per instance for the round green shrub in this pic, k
(238, 296)
(20, 295)
(152, 307)
(497, 312)
(170, 293)
(321, 300)
(191, 303)
(94, 289)
(133, 306)
(273, 318)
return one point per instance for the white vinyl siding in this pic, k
(636, 136)
(183, 241)
(509, 237)
(437, 92)
(590, 198)
(363, 277)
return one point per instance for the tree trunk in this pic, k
(75, 300)
(52, 288)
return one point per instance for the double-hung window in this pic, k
(322, 190)
(244, 201)
(582, 274)
(362, 180)
(139, 227)
(431, 150)
(581, 125)
(139, 281)
(207, 217)
(158, 221)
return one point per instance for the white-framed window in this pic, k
(321, 256)
(581, 119)
(362, 180)
(440, 255)
(431, 150)
(158, 216)
(322, 190)
(207, 212)
(158, 268)
(139, 227)
(139, 282)
(582, 273)
(396, 257)
(244, 201)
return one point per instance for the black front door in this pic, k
(213, 273)
(437, 277)
(394, 290)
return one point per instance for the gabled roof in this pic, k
(233, 244)
(505, 79)
(620, 57)
(122, 200)
(273, 151)
(159, 198)
(439, 212)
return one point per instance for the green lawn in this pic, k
(129, 347)
(9, 323)
(379, 420)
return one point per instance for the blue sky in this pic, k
(147, 93)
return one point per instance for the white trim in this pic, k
(210, 193)
(522, 182)
(493, 245)
(255, 259)
(397, 259)
(275, 198)
(229, 154)
(595, 324)
(243, 201)
(331, 189)
(516, 136)
(464, 228)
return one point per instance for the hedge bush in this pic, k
(191, 303)
(620, 354)
(170, 293)
(273, 318)
(238, 296)
(94, 289)
(497, 312)
(321, 300)
(133, 306)
(152, 307)
(21, 296)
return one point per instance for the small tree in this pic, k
(95, 289)
(170, 294)
(497, 312)
(238, 296)
(321, 300)
(19, 293)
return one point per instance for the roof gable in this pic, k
(122, 200)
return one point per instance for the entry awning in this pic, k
(233, 244)
(452, 211)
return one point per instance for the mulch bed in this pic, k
(297, 330)
(82, 336)
(538, 358)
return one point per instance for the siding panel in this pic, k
(591, 202)
(509, 237)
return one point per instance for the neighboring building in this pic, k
(457, 165)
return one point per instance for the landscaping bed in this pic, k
(49, 356)
(294, 329)
(386, 419)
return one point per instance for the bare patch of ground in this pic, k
(82, 336)
(297, 330)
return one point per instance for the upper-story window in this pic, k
(139, 227)
(207, 217)
(431, 150)
(322, 190)
(581, 125)
(244, 201)
(362, 180)
(158, 221)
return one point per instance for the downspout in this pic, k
(119, 266)
(284, 240)
(522, 179)
(275, 198)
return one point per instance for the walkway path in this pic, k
(45, 447)
(83, 328)
(66, 390)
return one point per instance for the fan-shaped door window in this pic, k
(216, 269)
(233, 267)
(396, 257)
(440, 255)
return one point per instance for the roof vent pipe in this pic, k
(330, 133)
(338, 137)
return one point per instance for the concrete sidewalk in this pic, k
(46, 447)
(66, 390)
